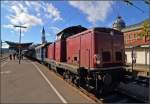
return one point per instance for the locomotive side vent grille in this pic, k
(118, 56)
(106, 56)
(75, 58)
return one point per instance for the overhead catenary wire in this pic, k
(147, 1)
(115, 10)
(131, 3)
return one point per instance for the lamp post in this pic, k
(20, 40)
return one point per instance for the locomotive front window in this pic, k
(106, 56)
(118, 56)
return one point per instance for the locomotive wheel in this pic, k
(76, 81)
(107, 84)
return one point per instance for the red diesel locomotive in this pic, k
(91, 58)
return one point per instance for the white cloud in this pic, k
(38, 14)
(8, 26)
(109, 24)
(95, 10)
(52, 12)
(55, 30)
(14, 29)
(27, 3)
(48, 9)
(30, 13)
(20, 16)
(26, 19)
(34, 4)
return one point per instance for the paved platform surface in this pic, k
(140, 67)
(139, 70)
(31, 82)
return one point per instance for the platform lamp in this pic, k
(20, 40)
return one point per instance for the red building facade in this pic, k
(134, 36)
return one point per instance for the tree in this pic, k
(146, 29)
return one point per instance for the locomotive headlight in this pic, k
(97, 59)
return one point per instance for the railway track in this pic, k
(122, 94)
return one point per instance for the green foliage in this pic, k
(146, 29)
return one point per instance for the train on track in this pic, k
(91, 58)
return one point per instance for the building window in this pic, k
(133, 36)
(141, 36)
(136, 36)
(129, 37)
(148, 37)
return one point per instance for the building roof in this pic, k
(134, 26)
(16, 45)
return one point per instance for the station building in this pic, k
(137, 42)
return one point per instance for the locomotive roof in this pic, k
(107, 30)
(100, 29)
(71, 31)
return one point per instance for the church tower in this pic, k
(43, 36)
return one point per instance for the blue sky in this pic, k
(57, 15)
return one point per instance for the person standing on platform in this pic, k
(14, 55)
(17, 56)
(10, 56)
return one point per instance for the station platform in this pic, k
(31, 82)
(139, 70)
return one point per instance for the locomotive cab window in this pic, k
(106, 56)
(118, 56)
